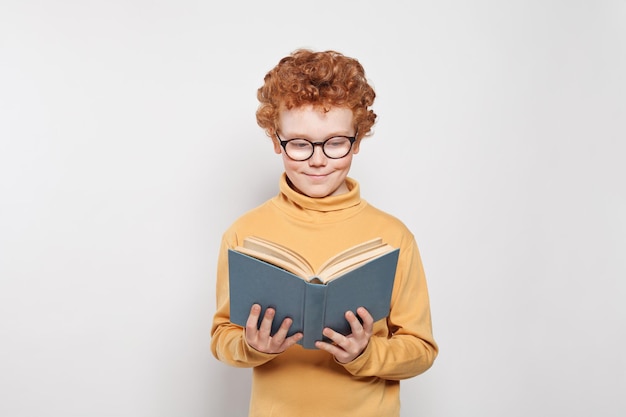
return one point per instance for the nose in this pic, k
(318, 158)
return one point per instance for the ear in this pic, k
(356, 146)
(277, 148)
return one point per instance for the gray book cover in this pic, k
(311, 306)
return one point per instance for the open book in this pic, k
(291, 261)
(274, 276)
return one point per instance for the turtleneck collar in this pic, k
(298, 204)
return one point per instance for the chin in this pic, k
(320, 195)
(316, 192)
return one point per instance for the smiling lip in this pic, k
(317, 176)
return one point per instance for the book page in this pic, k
(348, 263)
(276, 254)
(352, 251)
(289, 260)
(274, 260)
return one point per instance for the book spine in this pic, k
(313, 313)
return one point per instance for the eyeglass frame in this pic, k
(283, 144)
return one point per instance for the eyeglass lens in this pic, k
(302, 149)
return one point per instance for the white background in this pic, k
(128, 143)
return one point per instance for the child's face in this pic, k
(318, 176)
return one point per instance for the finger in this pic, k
(292, 340)
(368, 320)
(266, 323)
(329, 347)
(281, 334)
(355, 324)
(280, 340)
(253, 318)
(336, 337)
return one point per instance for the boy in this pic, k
(315, 106)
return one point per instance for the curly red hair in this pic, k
(322, 79)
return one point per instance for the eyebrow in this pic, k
(301, 136)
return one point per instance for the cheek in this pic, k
(343, 163)
(289, 164)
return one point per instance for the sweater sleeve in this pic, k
(409, 349)
(228, 342)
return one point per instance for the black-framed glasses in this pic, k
(300, 149)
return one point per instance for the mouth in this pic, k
(317, 176)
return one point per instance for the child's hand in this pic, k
(347, 348)
(260, 338)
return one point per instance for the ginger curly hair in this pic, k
(322, 79)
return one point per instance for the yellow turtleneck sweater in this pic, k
(306, 383)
